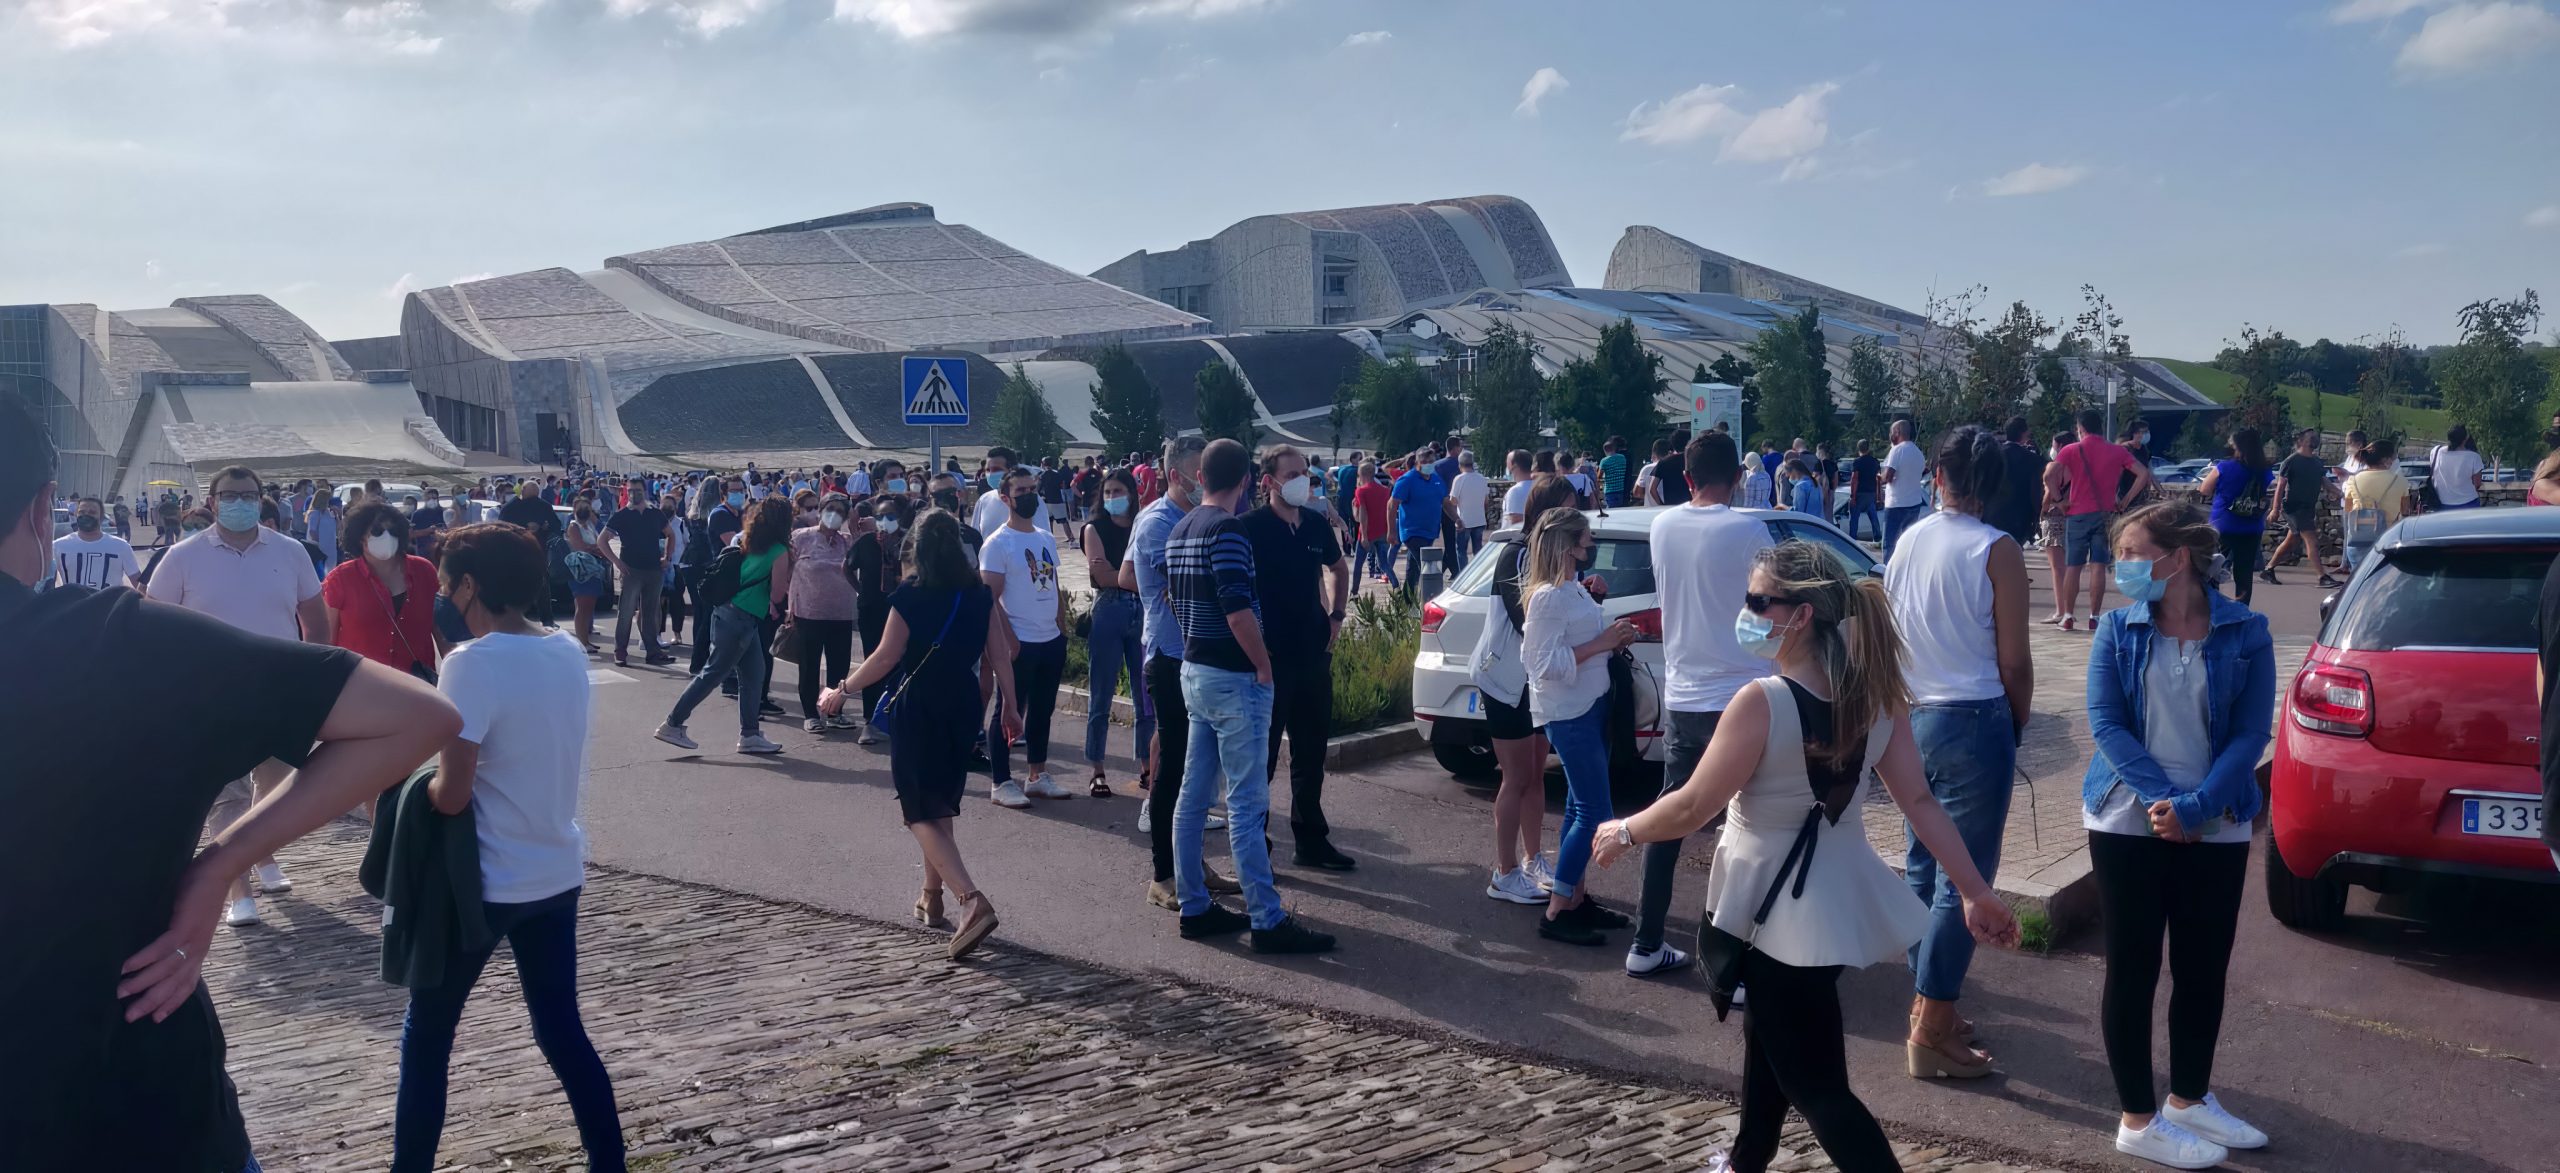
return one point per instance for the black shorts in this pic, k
(1507, 722)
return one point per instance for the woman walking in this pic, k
(2238, 486)
(875, 565)
(1790, 758)
(1959, 591)
(588, 575)
(382, 599)
(737, 635)
(518, 765)
(2182, 686)
(1501, 677)
(1565, 643)
(2055, 518)
(819, 599)
(940, 629)
(1114, 645)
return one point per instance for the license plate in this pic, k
(2504, 818)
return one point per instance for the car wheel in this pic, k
(1471, 759)
(2313, 904)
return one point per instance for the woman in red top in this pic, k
(379, 580)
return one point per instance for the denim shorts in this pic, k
(2084, 539)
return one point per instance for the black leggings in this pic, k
(2241, 551)
(1793, 1054)
(1036, 668)
(1173, 738)
(832, 641)
(2190, 892)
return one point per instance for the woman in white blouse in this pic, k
(1565, 643)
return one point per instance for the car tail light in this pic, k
(1433, 615)
(2330, 698)
(1648, 625)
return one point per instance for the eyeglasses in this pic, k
(1759, 602)
(249, 496)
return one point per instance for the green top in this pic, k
(755, 581)
(1613, 472)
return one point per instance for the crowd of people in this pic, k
(383, 634)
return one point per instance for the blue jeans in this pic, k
(1865, 507)
(544, 935)
(1113, 647)
(1582, 744)
(737, 643)
(1969, 753)
(1898, 518)
(1230, 729)
(1377, 554)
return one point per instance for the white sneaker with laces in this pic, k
(2164, 1143)
(1044, 786)
(1541, 873)
(757, 743)
(1146, 818)
(676, 736)
(1516, 887)
(1008, 794)
(244, 911)
(1217, 822)
(271, 878)
(1665, 959)
(2215, 1123)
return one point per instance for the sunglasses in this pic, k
(383, 531)
(1759, 603)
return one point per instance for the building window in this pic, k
(1336, 315)
(1187, 298)
(1337, 285)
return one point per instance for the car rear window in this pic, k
(1626, 564)
(2444, 597)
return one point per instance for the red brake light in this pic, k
(1433, 615)
(2330, 698)
(1648, 624)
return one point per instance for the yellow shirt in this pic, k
(2378, 488)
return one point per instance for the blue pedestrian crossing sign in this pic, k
(936, 390)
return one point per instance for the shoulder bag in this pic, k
(418, 666)
(2250, 503)
(1720, 954)
(887, 710)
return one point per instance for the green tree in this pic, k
(1613, 393)
(1023, 421)
(2383, 386)
(1224, 406)
(1936, 377)
(1875, 381)
(2259, 361)
(1505, 392)
(2492, 384)
(1795, 386)
(1999, 365)
(1402, 405)
(1736, 371)
(1126, 409)
(2058, 396)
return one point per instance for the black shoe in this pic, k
(1323, 855)
(1597, 915)
(1289, 936)
(769, 709)
(1568, 929)
(1219, 921)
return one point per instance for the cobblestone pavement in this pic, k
(752, 1034)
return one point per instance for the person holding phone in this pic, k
(1565, 645)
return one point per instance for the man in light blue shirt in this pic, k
(1144, 571)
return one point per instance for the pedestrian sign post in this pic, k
(934, 394)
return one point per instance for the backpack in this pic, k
(720, 584)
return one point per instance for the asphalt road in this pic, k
(2418, 1040)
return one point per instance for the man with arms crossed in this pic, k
(1304, 586)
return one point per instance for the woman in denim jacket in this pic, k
(2181, 700)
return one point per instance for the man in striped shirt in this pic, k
(1226, 685)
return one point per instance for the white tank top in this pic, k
(1941, 589)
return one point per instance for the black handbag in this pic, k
(1720, 953)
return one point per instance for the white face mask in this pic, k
(382, 547)
(886, 525)
(1295, 491)
(831, 519)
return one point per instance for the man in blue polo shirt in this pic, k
(1418, 496)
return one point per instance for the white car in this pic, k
(1447, 707)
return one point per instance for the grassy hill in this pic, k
(2335, 413)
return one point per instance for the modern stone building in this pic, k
(1650, 260)
(1348, 264)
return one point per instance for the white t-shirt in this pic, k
(1910, 484)
(524, 702)
(1469, 491)
(255, 590)
(104, 562)
(1028, 560)
(1581, 482)
(1514, 501)
(993, 511)
(1701, 569)
(1942, 603)
(1643, 490)
(2175, 726)
(2451, 471)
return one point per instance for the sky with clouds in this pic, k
(2332, 168)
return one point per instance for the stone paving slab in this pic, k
(747, 1034)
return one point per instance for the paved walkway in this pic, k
(753, 1034)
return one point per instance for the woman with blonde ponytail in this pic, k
(1790, 759)
(1565, 644)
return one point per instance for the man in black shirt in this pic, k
(637, 549)
(1670, 474)
(114, 1055)
(2021, 500)
(2301, 486)
(1304, 587)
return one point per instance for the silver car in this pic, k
(1447, 707)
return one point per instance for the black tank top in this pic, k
(1115, 542)
(1832, 784)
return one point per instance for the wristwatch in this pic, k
(1626, 836)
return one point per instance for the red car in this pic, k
(2410, 740)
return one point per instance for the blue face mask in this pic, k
(897, 484)
(995, 480)
(2133, 577)
(237, 516)
(737, 500)
(1757, 635)
(1116, 505)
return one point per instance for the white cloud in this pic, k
(1797, 127)
(921, 19)
(2417, 252)
(2546, 216)
(1542, 83)
(702, 18)
(388, 26)
(2359, 11)
(392, 26)
(1793, 129)
(2472, 36)
(403, 287)
(1801, 167)
(2035, 179)
(467, 278)
(151, 270)
(1684, 117)
(1364, 40)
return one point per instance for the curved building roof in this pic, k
(1651, 260)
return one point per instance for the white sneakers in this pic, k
(2215, 1123)
(1044, 786)
(1641, 963)
(1540, 872)
(244, 911)
(271, 878)
(2164, 1143)
(676, 736)
(1516, 887)
(1008, 794)
(757, 743)
(1147, 820)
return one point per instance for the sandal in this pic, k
(929, 910)
(974, 927)
(1099, 788)
(1944, 1056)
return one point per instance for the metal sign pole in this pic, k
(933, 463)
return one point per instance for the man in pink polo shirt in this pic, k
(262, 582)
(2088, 473)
